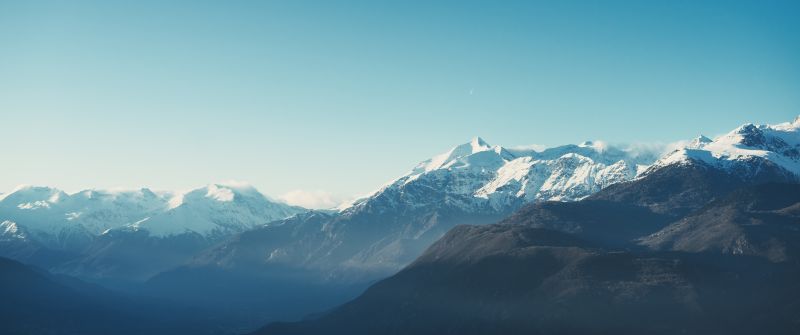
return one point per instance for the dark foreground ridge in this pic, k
(688, 250)
(36, 302)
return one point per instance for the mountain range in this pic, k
(479, 239)
(471, 183)
(135, 234)
(703, 242)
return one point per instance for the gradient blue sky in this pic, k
(343, 96)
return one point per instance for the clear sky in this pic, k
(337, 97)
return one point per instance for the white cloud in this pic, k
(655, 148)
(315, 199)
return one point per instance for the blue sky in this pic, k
(340, 97)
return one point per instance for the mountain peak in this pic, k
(475, 145)
(733, 151)
(699, 141)
(221, 192)
(34, 193)
(478, 142)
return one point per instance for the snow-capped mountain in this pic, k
(70, 221)
(127, 235)
(745, 151)
(63, 221)
(472, 183)
(480, 176)
(217, 209)
(99, 210)
(703, 168)
(479, 183)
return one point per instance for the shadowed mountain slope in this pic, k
(578, 268)
(762, 221)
